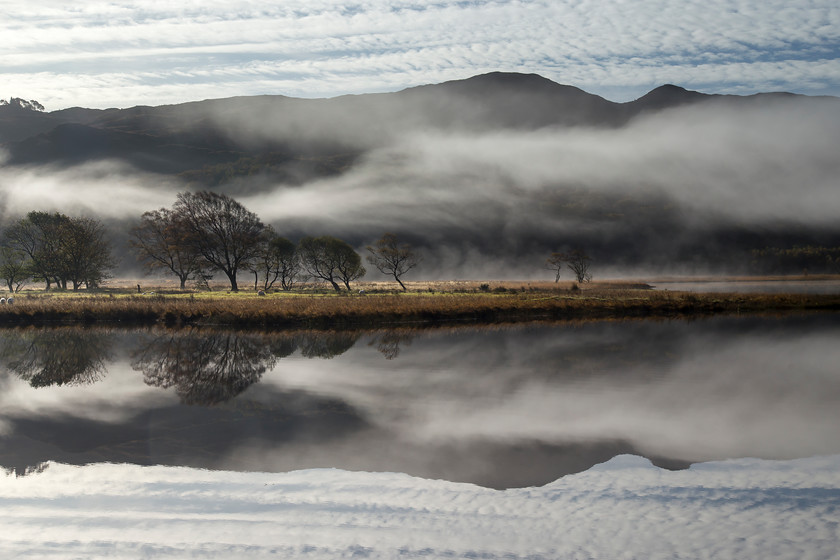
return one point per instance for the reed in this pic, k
(325, 310)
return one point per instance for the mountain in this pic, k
(213, 141)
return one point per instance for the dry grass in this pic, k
(429, 302)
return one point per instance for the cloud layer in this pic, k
(623, 508)
(139, 52)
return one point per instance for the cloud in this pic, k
(327, 48)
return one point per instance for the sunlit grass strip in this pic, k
(325, 311)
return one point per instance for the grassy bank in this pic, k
(313, 309)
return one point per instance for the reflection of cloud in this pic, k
(683, 391)
(624, 508)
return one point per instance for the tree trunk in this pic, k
(234, 287)
(335, 286)
(183, 279)
(397, 278)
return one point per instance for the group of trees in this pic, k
(206, 232)
(55, 249)
(575, 260)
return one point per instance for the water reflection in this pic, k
(498, 406)
(69, 356)
(207, 368)
(388, 342)
(204, 369)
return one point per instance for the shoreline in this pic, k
(325, 310)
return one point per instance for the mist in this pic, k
(692, 188)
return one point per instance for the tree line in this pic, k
(201, 235)
(204, 234)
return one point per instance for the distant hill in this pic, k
(214, 141)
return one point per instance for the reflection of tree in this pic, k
(212, 367)
(328, 344)
(205, 368)
(388, 342)
(62, 356)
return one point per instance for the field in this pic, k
(380, 304)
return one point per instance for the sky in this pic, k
(625, 508)
(123, 53)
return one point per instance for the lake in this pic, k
(498, 406)
(785, 286)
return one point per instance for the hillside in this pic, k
(213, 141)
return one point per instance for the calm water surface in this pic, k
(755, 287)
(497, 406)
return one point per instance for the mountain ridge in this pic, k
(269, 133)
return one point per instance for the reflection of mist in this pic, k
(66, 356)
(687, 391)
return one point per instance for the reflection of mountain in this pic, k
(68, 356)
(174, 434)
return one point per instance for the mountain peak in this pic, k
(669, 95)
(22, 104)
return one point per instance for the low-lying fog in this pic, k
(670, 190)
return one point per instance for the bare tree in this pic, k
(162, 243)
(221, 230)
(331, 260)
(391, 257)
(278, 262)
(576, 260)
